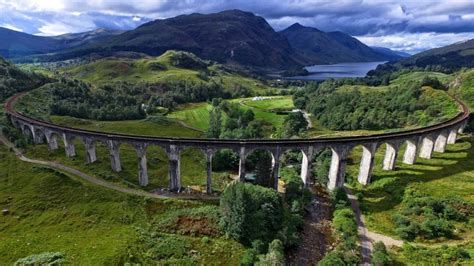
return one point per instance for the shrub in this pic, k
(274, 256)
(433, 228)
(251, 212)
(46, 258)
(333, 258)
(380, 255)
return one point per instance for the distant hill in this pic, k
(77, 39)
(16, 44)
(313, 46)
(444, 59)
(390, 53)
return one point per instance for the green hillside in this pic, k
(163, 69)
(89, 225)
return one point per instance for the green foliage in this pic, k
(13, 80)
(345, 225)
(275, 255)
(225, 159)
(295, 124)
(434, 215)
(251, 212)
(77, 99)
(444, 255)
(400, 106)
(263, 168)
(321, 169)
(380, 256)
(215, 123)
(46, 258)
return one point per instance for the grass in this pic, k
(52, 212)
(152, 126)
(193, 114)
(446, 174)
(419, 75)
(193, 169)
(142, 70)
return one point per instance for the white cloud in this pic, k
(11, 27)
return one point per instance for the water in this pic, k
(341, 70)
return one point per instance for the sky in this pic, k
(405, 25)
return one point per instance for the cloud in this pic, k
(11, 27)
(380, 22)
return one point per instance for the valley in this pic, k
(227, 138)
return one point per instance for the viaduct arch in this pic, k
(421, 142)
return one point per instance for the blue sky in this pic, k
(410, 25)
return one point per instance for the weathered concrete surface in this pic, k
(142, 165)
(209, 154)
(427, 147)
(308, 156)
(391, 154)
(114, 155)
(69, 145)
(91, 155)
(441, 141)
(337, 171)
(242, 157)
(367, 163)
(174, 167)
(276, 167)
(410, 153)
(453, 135)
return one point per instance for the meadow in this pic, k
(47, 208)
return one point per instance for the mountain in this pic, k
(17, 44)
(313, 46)
(232, 36)
(14, 43)
(454, 56)
(78, 39)
(444, 59)
(390, 53)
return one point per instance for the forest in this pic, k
(396, 107)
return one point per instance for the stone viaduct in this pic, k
(420, 142)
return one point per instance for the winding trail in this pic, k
(365, 236)
(94, 180)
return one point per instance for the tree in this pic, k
(215, 123)
(251, 212)
(380, 255)
(275, 255)
(294, 124)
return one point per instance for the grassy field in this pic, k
(152, 126)
(419, 75)
(446, 174)
(52, 212)
(193, 114)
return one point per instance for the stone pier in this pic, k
(410, 153)
(391, 154)
(69, 146)
(142, 164)
(114, 155)
(37, 135)
(242, 157)
(453, 135)
(337, 170)
(427, 147)
(276, 166)
(91, 155)
(441, 141)
(308, 155)
(209, 153)
(367, 163)
(174, 167)
(52, 140)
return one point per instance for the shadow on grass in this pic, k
(387, 188)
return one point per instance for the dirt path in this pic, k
(316, 234)
(365, 236)
(91, 179)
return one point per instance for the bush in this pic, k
(333, 258)
(380, 255)
(47, 258)
(433, 228)
(274, 256)
(251, 212)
